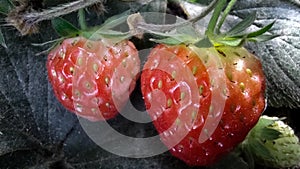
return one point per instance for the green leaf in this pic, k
(115, 20)
(262, 38)
(261, 31)
(188, 28)
(64, 28)
(114, 34)
(243, 25)
(175, 39)
(172, 38)
(2, 40)
(204, 43)
(5, 6)
(81, 19)
(230, 41)
(169, 41)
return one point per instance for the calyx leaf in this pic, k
(106, 30)
(241, 26)
(236, 35)
(63, 27)
(260, 31)
(115, 21)
(174, 39)
(204, 43)
(262, 38)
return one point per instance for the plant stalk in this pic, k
(59, 11)
(81, 19)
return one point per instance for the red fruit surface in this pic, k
(93, 79)
(203, 101)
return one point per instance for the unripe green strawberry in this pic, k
(273, 143)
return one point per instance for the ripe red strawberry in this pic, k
(205, 93)
(93, 79)
(204, 107)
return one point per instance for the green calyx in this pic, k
(213, 36)
(272, 143)
(236, 36)
(66, 29)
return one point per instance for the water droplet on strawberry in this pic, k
(53, 73)
(220, 144)
(64, 96)
(78, 108)
(180, 148)
(166, 134)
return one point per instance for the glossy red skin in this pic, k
(90, 70)
(243, 103)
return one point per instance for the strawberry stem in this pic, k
(208, 9)
(81, 19)
(225, 13)
(214, 19)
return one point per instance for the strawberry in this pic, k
(242, 100)
(93, 79)
(272, 143)
(204, 96)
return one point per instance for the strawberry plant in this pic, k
(37, 130)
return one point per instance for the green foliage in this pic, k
(211, 28)
(241, 26)
(5, 6)
(64, 28)
(115, 20)
(174, 39)
(205, 2)
(236, 36)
